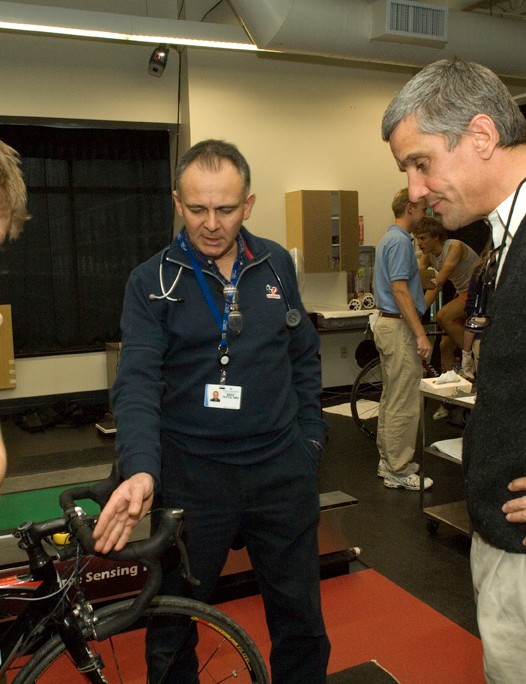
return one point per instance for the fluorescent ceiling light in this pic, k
(103, 26)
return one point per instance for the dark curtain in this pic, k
(100, 202)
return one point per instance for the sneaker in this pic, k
(467, 374)
(384, 471)
(412, 482)
(440, 413)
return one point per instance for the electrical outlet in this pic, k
(343, 352)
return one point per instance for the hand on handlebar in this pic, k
(126, 507)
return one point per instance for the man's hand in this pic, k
(423, 347)
(126, 507)
(515, 509)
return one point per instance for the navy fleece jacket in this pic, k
(170, 352)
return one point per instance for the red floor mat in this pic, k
(369, 618)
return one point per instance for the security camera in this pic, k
(158, 61)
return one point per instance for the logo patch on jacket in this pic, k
(272, 292)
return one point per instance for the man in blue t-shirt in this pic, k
(402, 343)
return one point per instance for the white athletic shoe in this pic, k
(467, 373)
(412, 482)
(440, 413)
(383, 468)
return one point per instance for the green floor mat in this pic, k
(36, 505)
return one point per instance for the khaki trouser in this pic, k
(399, 411)
(499, 581)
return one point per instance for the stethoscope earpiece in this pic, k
(165, 294)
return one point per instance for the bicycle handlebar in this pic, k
(99, 492)
(147, 551)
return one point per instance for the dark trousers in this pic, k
(275, 506)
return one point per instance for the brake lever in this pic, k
(185, 562)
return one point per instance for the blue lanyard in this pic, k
(221, 321)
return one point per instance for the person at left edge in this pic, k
(243, 469)
(13, 215)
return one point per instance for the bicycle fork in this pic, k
(75, 631)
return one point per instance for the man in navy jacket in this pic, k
(219, 311)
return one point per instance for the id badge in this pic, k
(223, 396)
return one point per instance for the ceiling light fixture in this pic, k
(121, 27)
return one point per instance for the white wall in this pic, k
(63, 374)
(302, 125)
(80, 79)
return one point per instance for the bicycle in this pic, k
(67, 639)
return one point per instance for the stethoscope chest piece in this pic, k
(293, 318)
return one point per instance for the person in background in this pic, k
(237, 469)
(461, 138)
(13, 215)
(402, 344)
(452, 260)
(471, 345)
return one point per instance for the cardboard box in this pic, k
(446, 389)
(7, 355)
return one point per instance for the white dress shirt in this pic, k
(499, 217)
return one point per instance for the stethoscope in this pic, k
(479, 319)
(292, 316)
(165, 294)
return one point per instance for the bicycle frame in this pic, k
(57, 606)
(41, 584)
(55, 602)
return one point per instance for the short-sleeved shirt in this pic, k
(461, 274)
(396, 260)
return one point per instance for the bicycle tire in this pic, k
(365, 398)
(237, 656)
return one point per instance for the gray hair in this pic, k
(447, 94)
(209, 154)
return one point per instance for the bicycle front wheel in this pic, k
(365, 398)
(225, 651)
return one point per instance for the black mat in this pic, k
(62, 414)
(365, 673)
(43, 463)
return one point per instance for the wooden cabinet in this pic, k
(323, 225)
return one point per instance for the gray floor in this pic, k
(55, 456)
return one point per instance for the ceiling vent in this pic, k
(409, 22)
